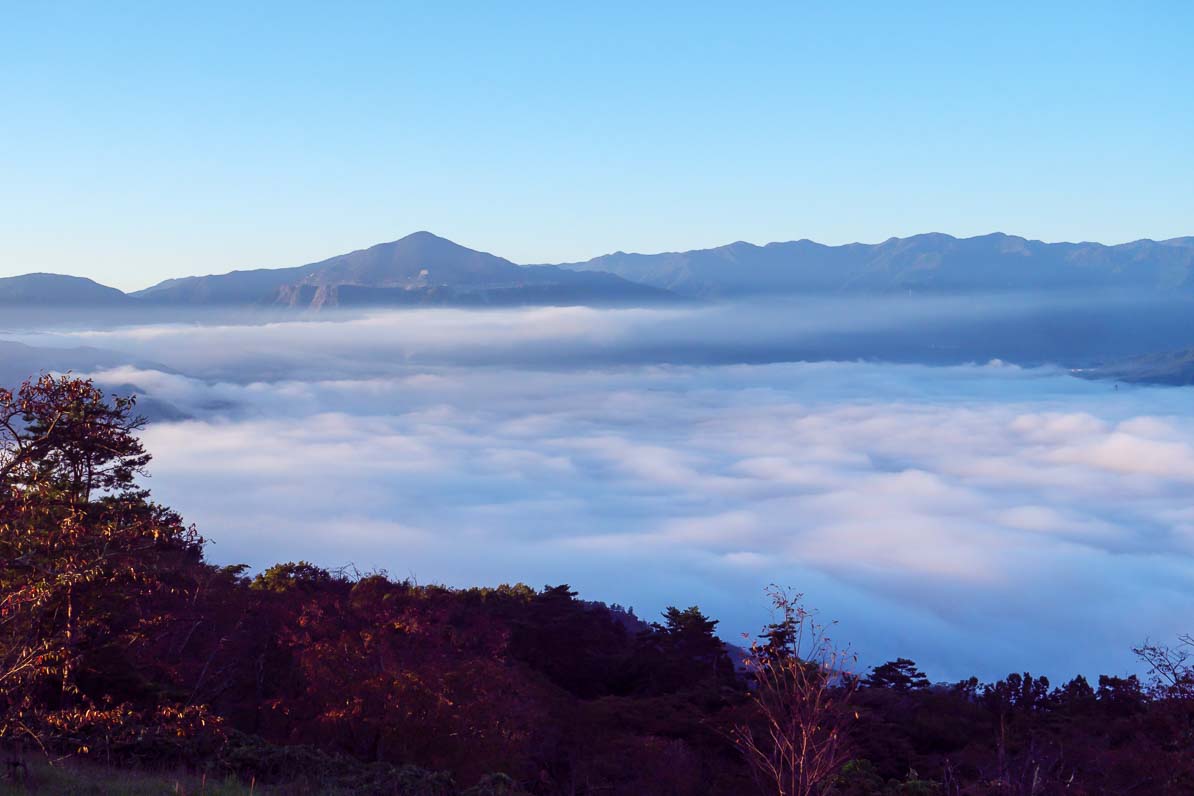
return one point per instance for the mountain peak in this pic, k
(420, 268)
(421, 243)
(423, 234)
(425, 238)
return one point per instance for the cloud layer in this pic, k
(977, 518)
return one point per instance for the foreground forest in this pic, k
(123, 649)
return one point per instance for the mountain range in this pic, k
(423, 269)
(933, 263)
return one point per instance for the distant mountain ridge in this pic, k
(57, 289)
(423, 269)
(932, 262)
(1174, 368)
(419, 269)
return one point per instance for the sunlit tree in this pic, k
(84, 551)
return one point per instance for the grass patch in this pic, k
(91, 779)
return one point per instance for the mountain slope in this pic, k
(923, 263)
(418, 269)
(57, 290)
(1168, 367)
(19, 362)
(235, 288)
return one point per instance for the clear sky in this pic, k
(141, 141)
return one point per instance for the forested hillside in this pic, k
(120, 644)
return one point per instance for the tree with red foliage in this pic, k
(85, 554)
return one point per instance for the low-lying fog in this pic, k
(980, 518)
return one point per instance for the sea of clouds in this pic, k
(979, 518)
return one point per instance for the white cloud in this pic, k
(978, 518)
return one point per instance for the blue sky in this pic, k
(147, 140)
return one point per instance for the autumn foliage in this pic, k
(120, 643)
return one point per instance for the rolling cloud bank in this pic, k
(977, 517)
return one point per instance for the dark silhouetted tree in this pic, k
(898, 675)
